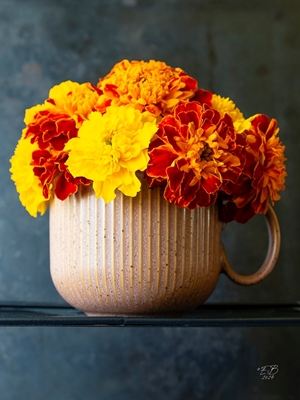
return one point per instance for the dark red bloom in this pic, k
(51, 129)
(263, 174)
(203, 96)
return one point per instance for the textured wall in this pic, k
(247, 50)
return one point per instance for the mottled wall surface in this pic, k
(247, 50)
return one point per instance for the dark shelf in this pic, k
(208, 315)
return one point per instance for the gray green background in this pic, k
(245, 49)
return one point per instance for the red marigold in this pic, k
(53, 174)
(194, 153)
(264, 172)
(52, 129)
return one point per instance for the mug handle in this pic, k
(270, 260)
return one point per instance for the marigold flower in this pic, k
(27, 184)
(193, 154)
(110, 148)
(68, 98)
(54, 175)
(58, 119)
(50, 126)
(74, 99)
(51, 129)
(226, 106)
(151, 86)
(147, 116)
(264, 173)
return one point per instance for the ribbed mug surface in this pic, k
(133, 256)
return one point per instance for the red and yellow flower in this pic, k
(53, 174)
(194, 154)
(264, 173)
(49, 127)
(147, 116)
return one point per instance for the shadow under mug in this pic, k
(141, 255)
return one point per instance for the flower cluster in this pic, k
(147, 116)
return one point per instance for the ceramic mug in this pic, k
(141, 255)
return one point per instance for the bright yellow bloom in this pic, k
(110, 148)
(226, 106)
(27, 184)
(76, 100)
(151, 86)
(69, 98)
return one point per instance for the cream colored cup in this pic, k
(142, 255)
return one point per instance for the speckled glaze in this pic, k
(133, 256)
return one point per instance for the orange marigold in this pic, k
(151, 86)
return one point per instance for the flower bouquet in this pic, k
(146, 123)
(147, 116)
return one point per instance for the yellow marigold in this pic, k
(27, 184)
(69, 98)
(110, 148)
(76, 100)
(151, 86)
(224, 105)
